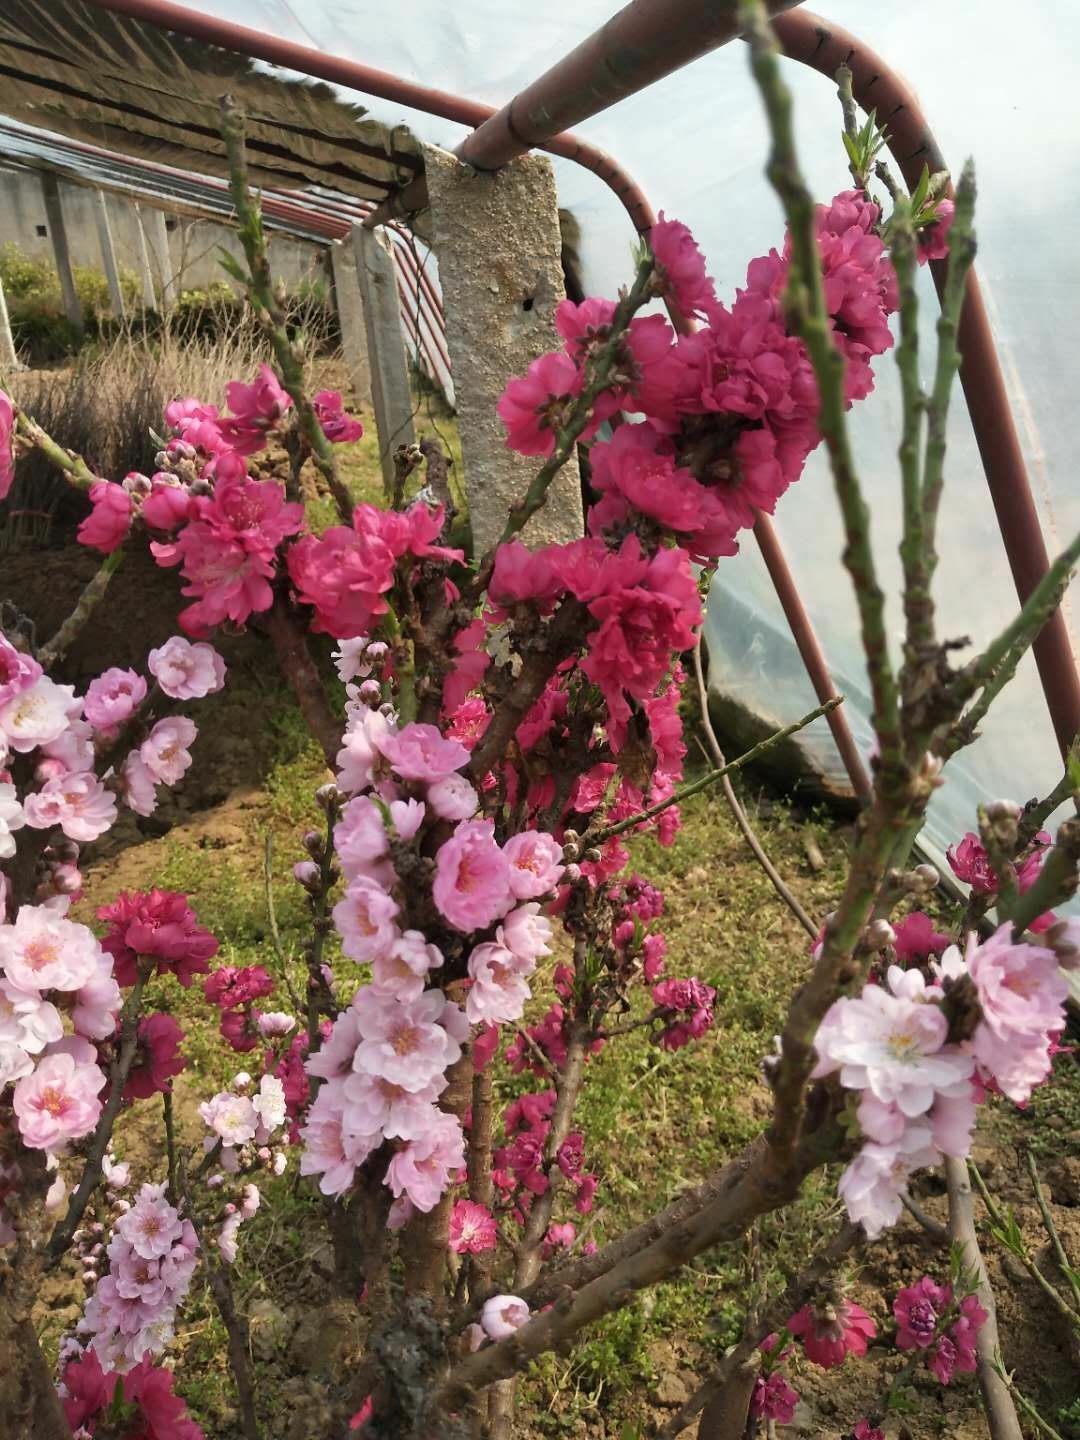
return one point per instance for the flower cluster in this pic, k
(234, 990)
(148, 1409)
(152, 1258)
(929, 1317)
(919, 1055)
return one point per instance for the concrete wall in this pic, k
(192, 243)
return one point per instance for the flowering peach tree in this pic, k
(512, 720)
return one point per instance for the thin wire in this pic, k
(737, 810)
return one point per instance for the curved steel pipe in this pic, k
(816, 42)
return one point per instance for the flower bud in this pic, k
(313, 843)
(307, 873)
(879, 934)
(370, 692)
(241, 1080)
(928, 876)
(328, 797)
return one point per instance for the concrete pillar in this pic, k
(391, 396)
(9, 360)
(108, 254)
(157, 237)
(350, 310)
(498, 244)
(146, 269)
(54, 215)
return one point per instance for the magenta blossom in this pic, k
(231, 986)
(107, 525)
(7, 450)
(337, 426)
(832, 1332)
(159, 924)
(691, 999)
(681, 267)
(863, 1430)
(157, 1057)
(918, 1309)
(161, 1415)
(533, 406)
(472, 1228)
(773, 1398)
(18, 670)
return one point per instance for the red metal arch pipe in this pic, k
(816, 42)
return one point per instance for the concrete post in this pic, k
(146, 269)
(350, 310)
(390, 393)
(9, 360)
(54, 215)
(158, 239)
(108, 254)
(498, 245)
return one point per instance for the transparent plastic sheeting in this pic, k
(993, 85)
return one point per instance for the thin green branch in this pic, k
(73, 466)
(1001, 1228)
(92, 594)
(809, 316)
(1043, 1426)
(267, 307)
(1067, 1271)
(703, 782)
(1033, 820)
(918, 605)
(961, 255)
(1056, 881)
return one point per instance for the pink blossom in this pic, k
(410, 1043)
(402, 972)
(334, 1059)
(690, 998)
(535, 863)
(44, 951)
(168, 506)
(872, 1184)
(472, 1228)
(970, 863)
(78, 802)
(73, 749)
(107, 525)
(159, 924)
(332, 1149)
(956, 1350)
(407, 817)
(7, 449)
(681, 267)
(452, 798)
(892, 1044)
(360, 759)
(932, 239)
(502, 1315)
(257, 406)
(500, 986)
(423, 1168)
(337, 426)
(113, 698)
(165, 750)
(526, 932)
(831, 1332)
(27, 1020)
(185, 671)
(365, 919)
(472, 877)
(58, 1102)
(89, 1391)
(374, 1104)
(97, 1002)
(138, 787)
(419, 752)
(18, 671)
(38, 713)
(535, 405)
(863, 1430)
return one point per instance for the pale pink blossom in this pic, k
(349, 659)
(420, 752)
(408, 1043)
(333, 1148)
(97, 1003)
(44, 951)
(58, 1102)
(424, 1168)
(500, 985)
(407, 817)
(365, 920)
(334, 1058)
(185, 671)
(14, 1064)
(152, 1227)
(893, 1045)
(275, 1023)
(232, 1118)
(11, 818)
(27, 1020)
(526, 932)
(360, 838)
(502, 1315)
(452, 798)
(78, 802)
(38, 714)
(113, 698)
(138, 786)
(360, 759)
(165, 750)
(872, 1184)
(402, 972)
(472, 877)
(269, 1105)
(535, 863)
(71, 750)
(375, 1104)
